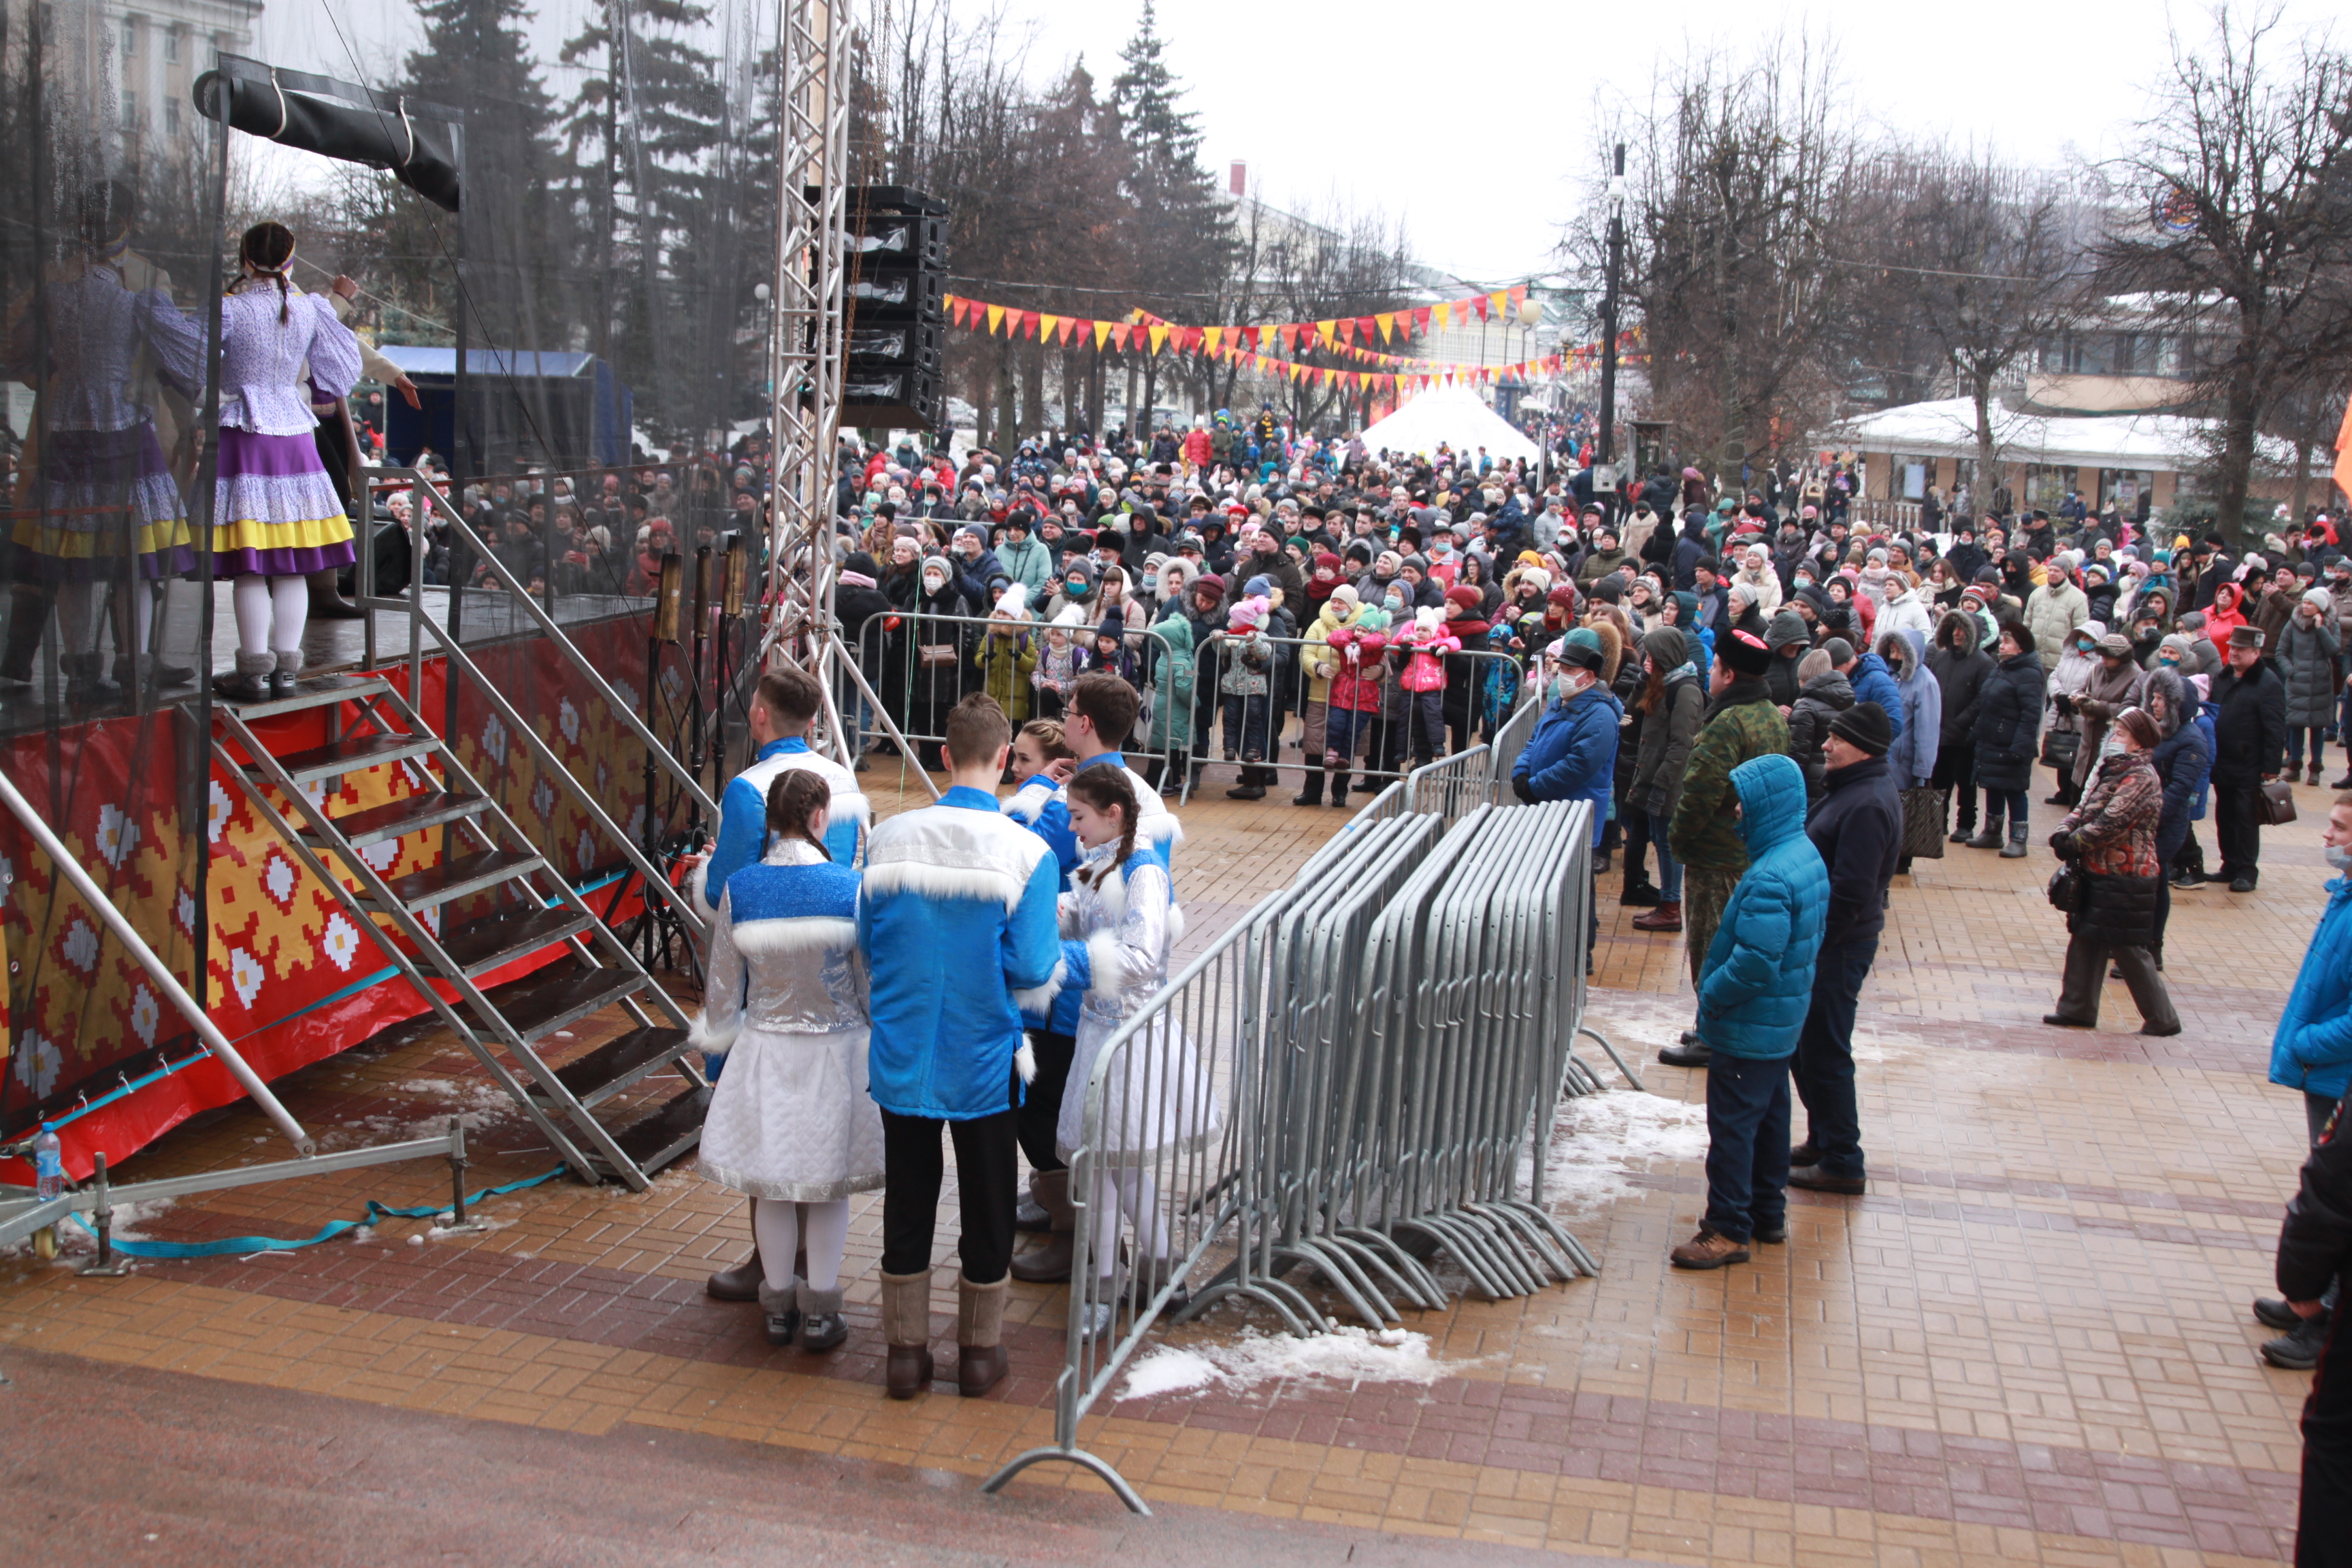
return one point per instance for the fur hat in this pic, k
(1745, 652)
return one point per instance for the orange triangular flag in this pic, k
(1118, 332)
(2344, 453)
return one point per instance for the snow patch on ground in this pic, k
(1258, 1361)
(1600, 1140)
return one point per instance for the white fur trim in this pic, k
(696, 886)
(801, 933)
(941, 882)
(1102, 957)
(1025, 1061)
(1175, 923)
(1028, 803)
(701, 1037)
(1040, 998)
(848, 803)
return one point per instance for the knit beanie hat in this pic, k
(2141, 726)
(1840, 651)
(1014, 601)
(1467, 598)
(1247, 615)
(1865, 725)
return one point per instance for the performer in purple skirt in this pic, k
(276, 516)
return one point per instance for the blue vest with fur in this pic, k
(744, 815)
(1043, 809)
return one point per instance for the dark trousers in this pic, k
(1034, 1123)
(2323, 1525)
(1746, 1145)
(913, 1167)
(2087, 977)
(2239, 830)
(1824, 1059)
(1426, 722)
(2316, 1109)
(1245, 726)
(1956, 770)
(2295, 734)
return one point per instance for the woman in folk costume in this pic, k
(791, 1122)
(103, 508)
(276, 516)
(1118, 924)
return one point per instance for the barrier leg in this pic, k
(1078, 1456)
(1630, 1076)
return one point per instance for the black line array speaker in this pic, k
(895, 302)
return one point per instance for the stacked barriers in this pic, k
(1356, 1080)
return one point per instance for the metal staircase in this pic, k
(508, 1027)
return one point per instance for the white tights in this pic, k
(1132, 1192)
(777, 1226)
(270, 613)
(78, 604)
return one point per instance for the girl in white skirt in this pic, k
(791, 1122)
(1118, 922)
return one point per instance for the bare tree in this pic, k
(1978, 262)
(2246, 248)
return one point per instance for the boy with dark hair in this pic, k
(956, 923)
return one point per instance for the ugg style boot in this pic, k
(2015, 849)
(1991, 837)
(1049, 1264)
(822, 1324)
(289, 670)
(252, 680)
(906, 1330)
(980, 1329)
(780, 1313)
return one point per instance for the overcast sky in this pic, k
(1480, 126)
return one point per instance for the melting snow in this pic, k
(1599, 1141)
(1347, 1355)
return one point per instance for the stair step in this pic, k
(462, 877)
(484, 946)
(538, 1005)
(356, 754)
(618, 1063)
(670, 1131)
(311, 691)
(406, 815)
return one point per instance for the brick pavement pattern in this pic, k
(2028, 1345)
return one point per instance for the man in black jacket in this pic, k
(2249, 741)
(1858, 828)
(2314, 1248)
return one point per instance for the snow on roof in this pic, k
(1452, 416)
(1947, 428)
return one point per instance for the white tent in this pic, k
(1453, 415)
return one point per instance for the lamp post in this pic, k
(1604, 443)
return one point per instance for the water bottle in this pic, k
(48, 1163)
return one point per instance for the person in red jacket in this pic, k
(1357, 687)
(1196, 448)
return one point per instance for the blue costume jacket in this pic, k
(744, 815)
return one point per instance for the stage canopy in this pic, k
(1454, 417)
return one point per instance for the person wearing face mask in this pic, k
(2062, 744)
(2110, 838)
(1572, 755)
(2183, 760)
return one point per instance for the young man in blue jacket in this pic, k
(1572, 755)
(1753, 990)
(956, 921)
(2311, 1051)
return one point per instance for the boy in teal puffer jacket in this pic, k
(1753, 990)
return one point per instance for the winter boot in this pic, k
(979, 1332)
(251, 681)
(1340, 789)
(1991, 837)
(1313, 794)
(740, 1283)
(1049, 1264)
(906, 1330)
(290, 669)
(1639, 894)
(780, 1313)
(2015, 849)
(85, 681)
(822, 1324)
(1666, 917)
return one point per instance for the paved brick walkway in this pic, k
(2029, 1343)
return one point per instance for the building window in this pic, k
(130, 112)
(172, 44)
(171, 116)
(130, 36)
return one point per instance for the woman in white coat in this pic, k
(791, 1122)
(1118, 924)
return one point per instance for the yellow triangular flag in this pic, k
(1324, 330)
(1159, 336)
(1045, 325)
(995, 317)
(1387, 319)
(1440, 313)
(1102, 330)
(1211, 335)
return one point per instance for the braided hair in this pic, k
(268, 248)
(1109, 789)
(797, 795)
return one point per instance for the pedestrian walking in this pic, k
(2109, 840)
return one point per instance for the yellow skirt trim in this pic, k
(311, 533)
(83, 544)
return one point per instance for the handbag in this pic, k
(936, 654)
(2060, 748)
(2276, 806)
(1926, 812)
(2070, 889)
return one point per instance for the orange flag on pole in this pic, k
(2344, 453)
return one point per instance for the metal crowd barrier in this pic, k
(1452, 786)
(1351, 1081)
(969, 675)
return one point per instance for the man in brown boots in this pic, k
(956, 915)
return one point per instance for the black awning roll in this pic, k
(415, 140)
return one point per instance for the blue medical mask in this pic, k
(2341, 859)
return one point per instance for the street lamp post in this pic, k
(1604, 443)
